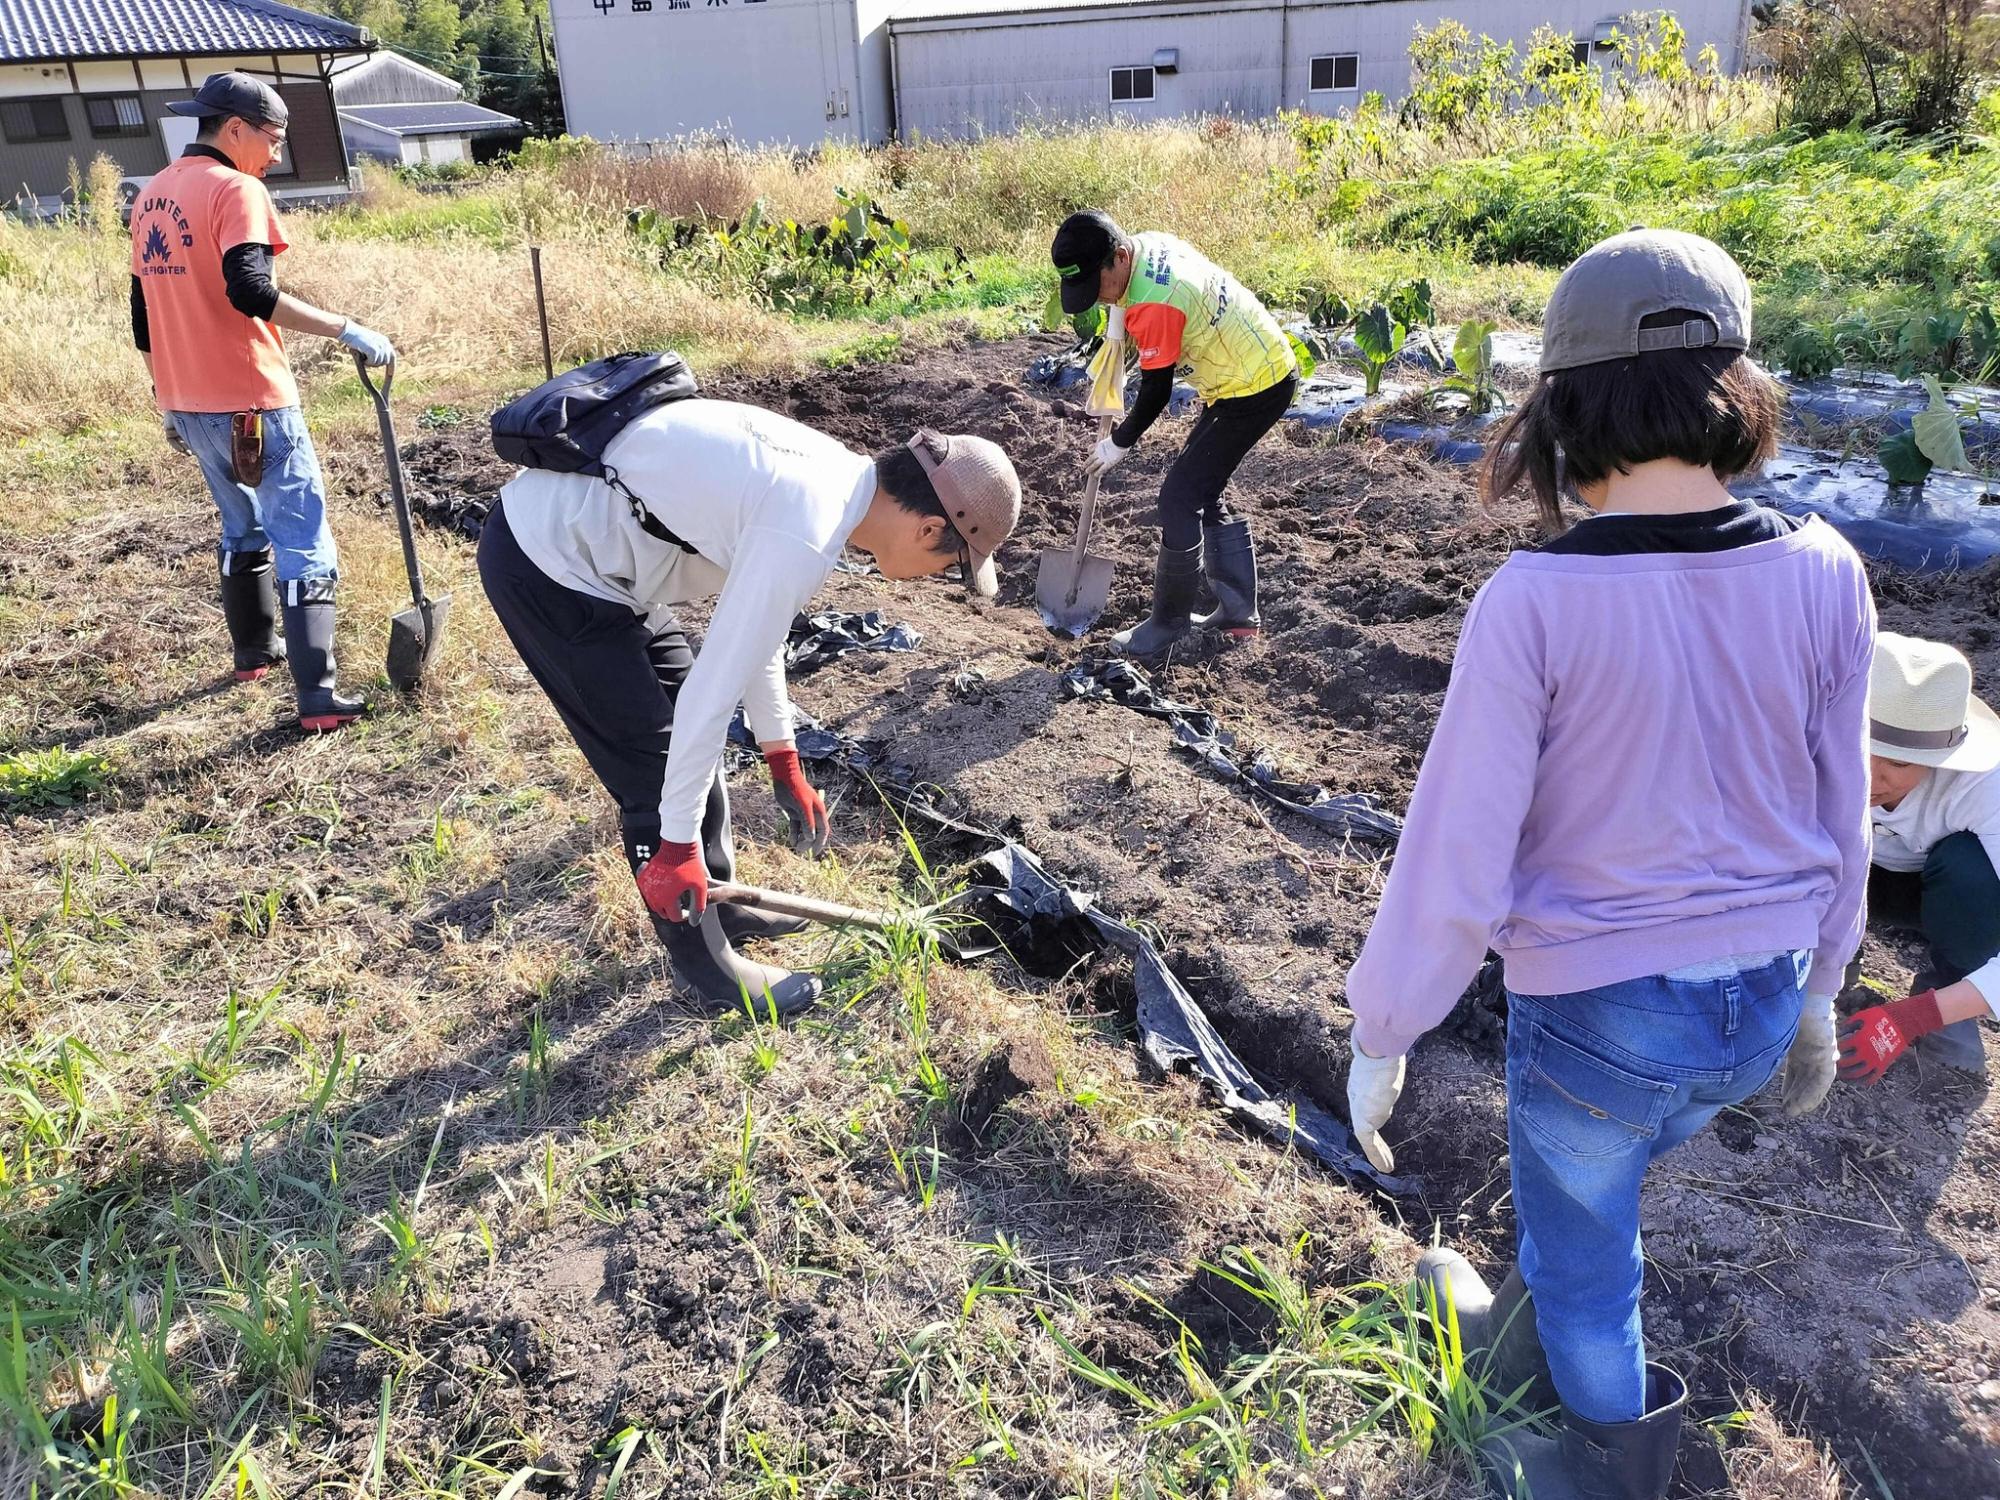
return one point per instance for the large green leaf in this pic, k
(1472, 349)
(1304, 355)
(1052, 313)
(1936, 432)
(1379, 335)
(1902, 460)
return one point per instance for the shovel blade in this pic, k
(1072, 596)
(414, 637)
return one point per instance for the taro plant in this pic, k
(1472, 357)
(1932, 440)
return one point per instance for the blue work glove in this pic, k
(367, 343)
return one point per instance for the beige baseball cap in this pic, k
(1594, 313)
(1921, 709)
(981, 494)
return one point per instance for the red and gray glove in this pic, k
(1874, 1038)
(804, 808)
(674, 883)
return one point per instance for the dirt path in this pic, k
(1843, 1266)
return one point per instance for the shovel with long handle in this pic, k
(1072, 587)
(414, 633)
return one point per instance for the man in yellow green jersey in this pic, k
(1182, 311)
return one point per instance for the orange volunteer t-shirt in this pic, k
(207, 356)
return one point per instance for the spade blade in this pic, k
(415, 635)
(1071, 595)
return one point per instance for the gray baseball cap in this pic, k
(1595, 313)
(235, 94)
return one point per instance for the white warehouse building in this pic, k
(798, 72)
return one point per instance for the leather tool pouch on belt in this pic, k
(246, 447)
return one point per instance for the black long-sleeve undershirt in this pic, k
(246, 280)
(1156, 389)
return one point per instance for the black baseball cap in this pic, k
(1082, 245)
(235, 94)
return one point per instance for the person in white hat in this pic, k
(1934, 781)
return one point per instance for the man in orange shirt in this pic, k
(206, 314)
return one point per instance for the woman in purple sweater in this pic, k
(1648, 792)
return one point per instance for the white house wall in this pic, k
(990, 74)
(763, 72)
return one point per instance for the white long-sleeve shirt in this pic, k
(1944, 803)
(767, 503)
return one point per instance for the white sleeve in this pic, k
(775, 576)
(766, 704)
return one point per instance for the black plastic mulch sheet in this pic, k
(1030, 912)
(1201, 735)
(830, 634)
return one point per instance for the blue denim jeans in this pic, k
(1600, 1082)
(287, 511)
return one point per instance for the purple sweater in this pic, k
(1643, 762)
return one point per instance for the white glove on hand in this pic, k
(1809, 1066)
(1106, 456)
(1374, 1084)
(173, 435)
(374, 350)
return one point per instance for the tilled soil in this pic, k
(1843, 1266)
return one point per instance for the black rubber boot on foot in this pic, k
(740, 924)
(250, 609)
(1595, 1460)
(714, 973)
(1229, 561)
(309, 648)
(1176, 578)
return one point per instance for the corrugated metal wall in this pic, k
(388, 79)
(991, 74)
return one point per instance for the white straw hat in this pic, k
(1921, 709)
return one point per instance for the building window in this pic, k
(26, 120)
(1342, 70)
(1581, 53)
(1128, 84)
(115, 114)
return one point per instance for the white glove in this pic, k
(1106, 456)
(1374, 1084)
(366, 342)
(173, 434)
(1809, 1066)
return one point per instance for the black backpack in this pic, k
(564, 425)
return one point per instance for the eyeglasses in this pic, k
(277, 139)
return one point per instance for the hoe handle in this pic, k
(806, 908)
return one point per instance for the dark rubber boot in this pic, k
(1229, 561)
(1176, 578)
(309, 647)
(1595, 1460)
(250, 609)
(740, 924)
(715, 974)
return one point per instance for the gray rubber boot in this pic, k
(1229, 560)
(717, 975)
(740, 924)
(250, 609)
(1176, 580)
(309, 648)
(1497, 1329)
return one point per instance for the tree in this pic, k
(434, 36)
(1906, 63)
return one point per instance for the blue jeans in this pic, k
(1600, 1082)
(287, 511)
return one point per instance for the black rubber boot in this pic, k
(717, 975)
(1176, 579)
(250, 609)
(1229, 561)
(1626, 1460)
(740, 924)
(309, 647)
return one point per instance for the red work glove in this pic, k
(674, 883)
(804, 808)
(1874, 1038)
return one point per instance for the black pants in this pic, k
(611, 679)
(1191, 497)
(1954, 899)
